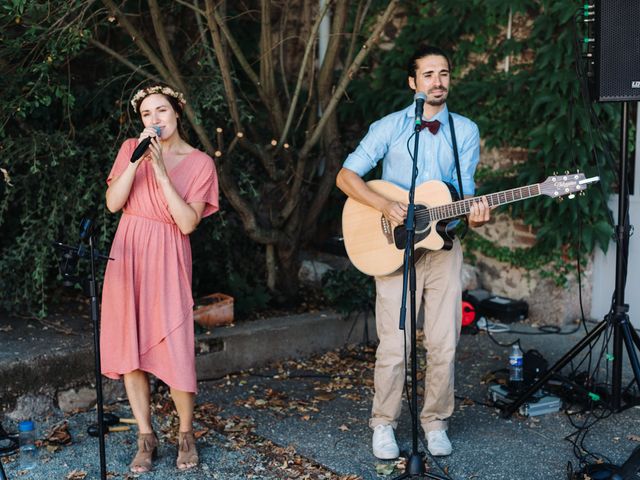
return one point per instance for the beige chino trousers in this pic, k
(439, 290)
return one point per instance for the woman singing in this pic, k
(147, 319)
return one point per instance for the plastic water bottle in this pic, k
(28, 450)
(515, 366)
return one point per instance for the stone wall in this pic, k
(549, 304)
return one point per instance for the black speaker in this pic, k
(617, 51)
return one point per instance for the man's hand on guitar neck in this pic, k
(479, 212)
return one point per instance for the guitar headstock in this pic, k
(567, 184)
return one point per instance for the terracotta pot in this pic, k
(214, 310)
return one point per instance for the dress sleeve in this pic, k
(204, 186)
(122, 159)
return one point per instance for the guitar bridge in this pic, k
(386, 229)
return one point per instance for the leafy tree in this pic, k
(278, 153)
(251, 76)
(537, 107)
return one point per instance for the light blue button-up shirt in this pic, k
(387, 140)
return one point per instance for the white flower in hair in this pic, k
(145, 92)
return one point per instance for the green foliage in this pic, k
(554, 264)
(348, 291)
(63, 116)
(537, 105)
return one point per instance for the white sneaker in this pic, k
(438, 443)
(384, 443)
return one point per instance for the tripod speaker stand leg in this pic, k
(586, 341)
(618, 318)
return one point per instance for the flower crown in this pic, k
(145, 92)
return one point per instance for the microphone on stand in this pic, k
(143, 145)
(419, 98)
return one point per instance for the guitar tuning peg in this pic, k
(555, 173)
(572, 196)
(566, 172)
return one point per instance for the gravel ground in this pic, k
(308, 419)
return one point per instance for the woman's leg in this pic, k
(184, 402)
(137, 385)
(187, 453)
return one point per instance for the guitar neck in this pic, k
(463, 207)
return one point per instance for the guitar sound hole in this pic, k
(423, 228)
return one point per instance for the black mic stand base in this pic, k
(416, 469)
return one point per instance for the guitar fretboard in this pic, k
(462, 207)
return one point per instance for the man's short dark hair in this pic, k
(425, 51)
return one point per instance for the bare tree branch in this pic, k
(275, 110)
(135, 68)
(223, 63)
(283, 74)
(193, 6)
(165, 48)
(325, 76)
(346, 78)
(357, 25)
(267, 78)
(203, 35)
(301, 74)
(235, 48)
(138, 39)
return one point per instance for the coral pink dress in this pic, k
(147, 304)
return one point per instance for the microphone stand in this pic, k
(415, 462)
(90, 286)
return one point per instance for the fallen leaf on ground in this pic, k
(385, 468)
(59, 436)
(76, 475)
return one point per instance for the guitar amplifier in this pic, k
(501, 308)
(504, 309)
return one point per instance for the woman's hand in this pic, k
(157, 162)
(146, 133)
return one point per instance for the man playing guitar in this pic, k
(438, 273)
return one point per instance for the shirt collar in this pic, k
(442, 116)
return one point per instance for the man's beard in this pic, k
(436, 102)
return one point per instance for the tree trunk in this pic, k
(289, 266)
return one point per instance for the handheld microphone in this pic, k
(419, 98)
(143, 145)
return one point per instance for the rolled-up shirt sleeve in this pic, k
(469, 159)
(372, 148)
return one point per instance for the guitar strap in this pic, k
(457, 159)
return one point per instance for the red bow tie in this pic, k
(432, 126)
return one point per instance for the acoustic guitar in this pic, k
(376, 247)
